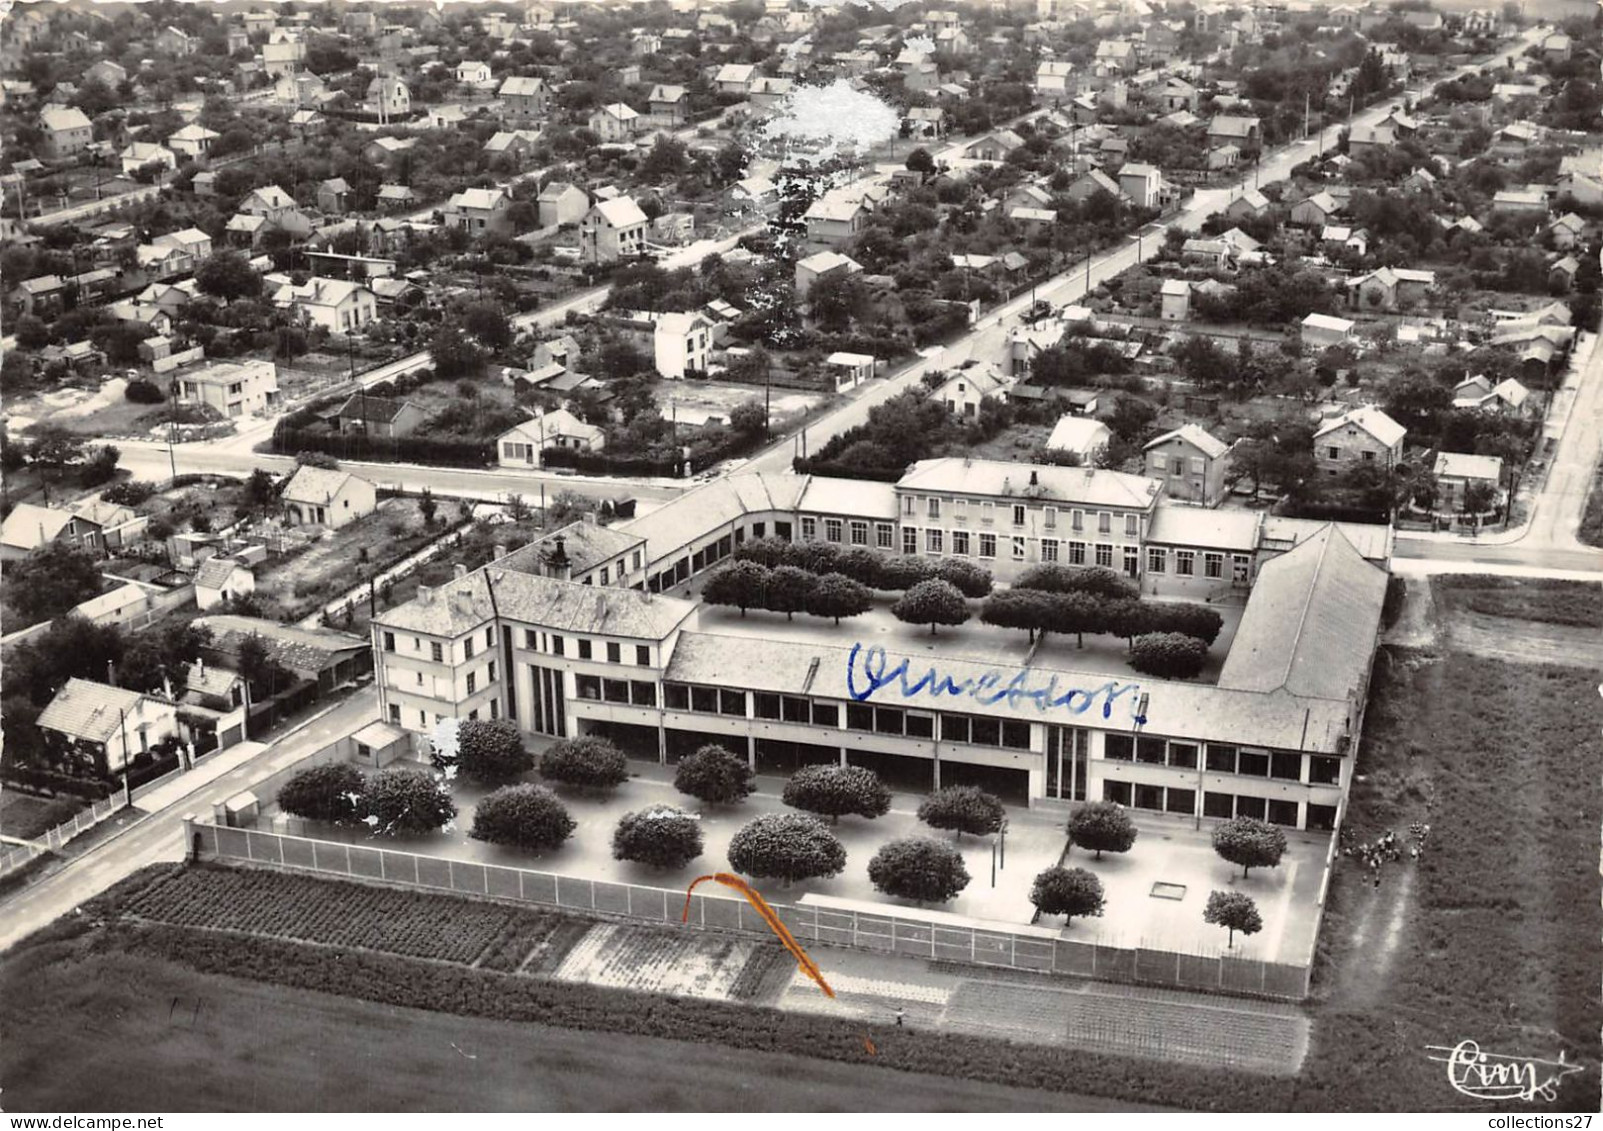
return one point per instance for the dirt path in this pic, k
(1374, 929)
(1416, 625)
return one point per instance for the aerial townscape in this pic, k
(801, 555)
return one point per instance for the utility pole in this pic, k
(172, 448)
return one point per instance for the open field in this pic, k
(1492, 934)
(168, 1038)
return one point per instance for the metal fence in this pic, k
(16, 855)
(890, 933)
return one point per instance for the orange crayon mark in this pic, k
(797, 951)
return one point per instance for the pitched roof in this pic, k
(63, 118)
(673, 524)
(463, 605)
(619, 212)
(299, 649)
(378, 410)
(1371, 420)
(1006, 479)
(1078, 433)
(29, 526)
(1311, 622)
(315, 484)
(89, 710)
(586, 544)
(214, 572)
(522, 85)
(1206, 528)
(1195, 435)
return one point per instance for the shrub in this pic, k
(1094, 581)
(331, 792)
(836, 595)
(966, 808)
(715, 776)
(1102, 826)
(523, 816)
(739, 583)
(1198, 621)
(661, 836)
(143, 391)
(788, 590)
(834, 791)
(1168, 655)
(970, 579)
(929, 871)
(400, 801)
(933, 602)
(1249, 842)
(1234, 911)
(786, 846)
(589, 762)
(1067, 892)
(491, 750)
(128, 493)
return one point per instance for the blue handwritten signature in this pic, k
(868, 670)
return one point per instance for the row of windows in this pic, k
(863, 717)
(1282, 765)
(934, 508)
(635, 692)
(1185, 562)
(437, 648)
(556, 645)
(493, 708)
(854, 532)
(1172, 799)
(1160, 462)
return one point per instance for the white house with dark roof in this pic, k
(521, 445)
(612, 230)
(1193, 464)
(1455, 471)
(221, 579)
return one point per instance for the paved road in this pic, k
(159, 836)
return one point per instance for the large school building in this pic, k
(577, 634)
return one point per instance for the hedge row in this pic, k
(403, 449)
(889, 572)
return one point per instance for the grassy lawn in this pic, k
(26, 816)
(1018, 443)
(1492, 934)
(1524, 598)
(1591, 531)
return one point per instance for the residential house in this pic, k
(965, 391)
(834, 220)
(527, 98)
(1557, 47)
(388, 99)
(1193, 464)
(820, 265)
(283, 55)
(318, 659)
(682, 343)
(222, 579)
(333, 196)
(735, 78)
(43, 297)
(1361, 436)
(1083, 437)
(1580, 178)
(769, 92)
(338, 305)
(1390, 289)
(669, 105)
(395, 198)
(108, 73)
(30, 527)
(925, 122)
(174, 41)
(1054, 78)
(1561, 274)
(1178, 94)
(479, 210)
(1250, 205)
(1520, 202)
(383, 150)
(612, 230)
(562, 203)
(1234, 129)
(473, 72)
(383, 417)
(1365, 140)
(993, 146)
(1567, 231)
(141, 153)
(1141, 183)
(1316, 211)
(194, 140)
(114, 725)
(849, 370)
(522, 445)
(318, 496)
(66, 130)
(615, 122)
(1091, 182)
(1455, 471)
(233, 389)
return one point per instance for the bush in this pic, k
(1102, 826)
(1249, 842)
(966, 808)
(786, 846)
(143, 391)
(661, 836)
(929, 871)
(331, 792)
(400, 801)
(128, 493)
(836, 595)
(715, 776)
(1197, 621)
(933, 602)
(1168, 655)
(969, 579)
(491, 750)
(589, 762)
(835, 791)
(1096, 581)
(1067, 892)
(523, 816)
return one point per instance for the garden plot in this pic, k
(632, 958)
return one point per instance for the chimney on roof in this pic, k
(462, 599)
(1035, 478)
(425, 595)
